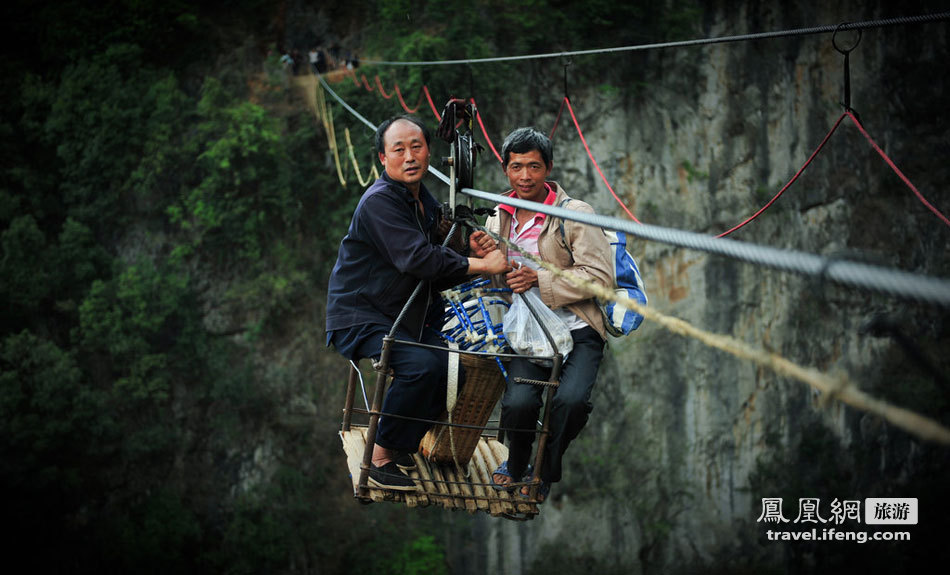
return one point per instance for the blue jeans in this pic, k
(570, 407)
(418, 385)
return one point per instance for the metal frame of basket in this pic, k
(477, 403)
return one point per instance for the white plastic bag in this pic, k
(525, 335)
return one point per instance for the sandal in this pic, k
(509, 484)
(503, 471)
(543, 491)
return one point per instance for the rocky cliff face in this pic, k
(684, 440)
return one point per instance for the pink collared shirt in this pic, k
(527, 237)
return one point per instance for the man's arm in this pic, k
(400, 240)
(390, 227)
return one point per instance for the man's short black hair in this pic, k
(381, 130)
(522, 141)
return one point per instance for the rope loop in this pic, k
(834, 41)
(847, 63)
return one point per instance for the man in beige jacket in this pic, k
(527, 160)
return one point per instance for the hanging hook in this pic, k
(566, 61)
(847, 63)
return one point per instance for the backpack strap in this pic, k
(560, 225)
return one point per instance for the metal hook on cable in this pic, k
(847, 63)
(566, 62)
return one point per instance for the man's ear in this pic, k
(382, 158)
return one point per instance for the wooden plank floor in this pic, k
(444, 484)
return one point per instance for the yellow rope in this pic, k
(331, 134)
(322, 112)
(373, 174)
(837, 387)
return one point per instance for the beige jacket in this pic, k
(591, 259)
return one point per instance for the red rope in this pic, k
(790, 182)
(403, 102)
(478, 116)
(366, 83)
(897, 171)
(431, 105)
(381, 91)
(558, 119)
(591, 156)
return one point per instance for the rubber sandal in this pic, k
(502, 470)
(543, 491)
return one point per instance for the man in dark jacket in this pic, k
(392, 244)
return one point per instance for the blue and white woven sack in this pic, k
(618, 320)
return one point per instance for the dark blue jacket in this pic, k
(386, 251)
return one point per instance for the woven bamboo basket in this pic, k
(476, 399)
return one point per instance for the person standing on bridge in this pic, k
(392, 244)
(528, 157)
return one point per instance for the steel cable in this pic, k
(872, 278)
(831, 28)
(893, 282)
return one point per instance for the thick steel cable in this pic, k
(846, 113)
(897, 283)
(343, 103)
(838, 387)
(893, 282)
(831, 28)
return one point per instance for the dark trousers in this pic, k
(417, 388)
(570, 405)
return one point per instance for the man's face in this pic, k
(406, 156)
(526, 174)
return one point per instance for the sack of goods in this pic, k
(524, 332)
